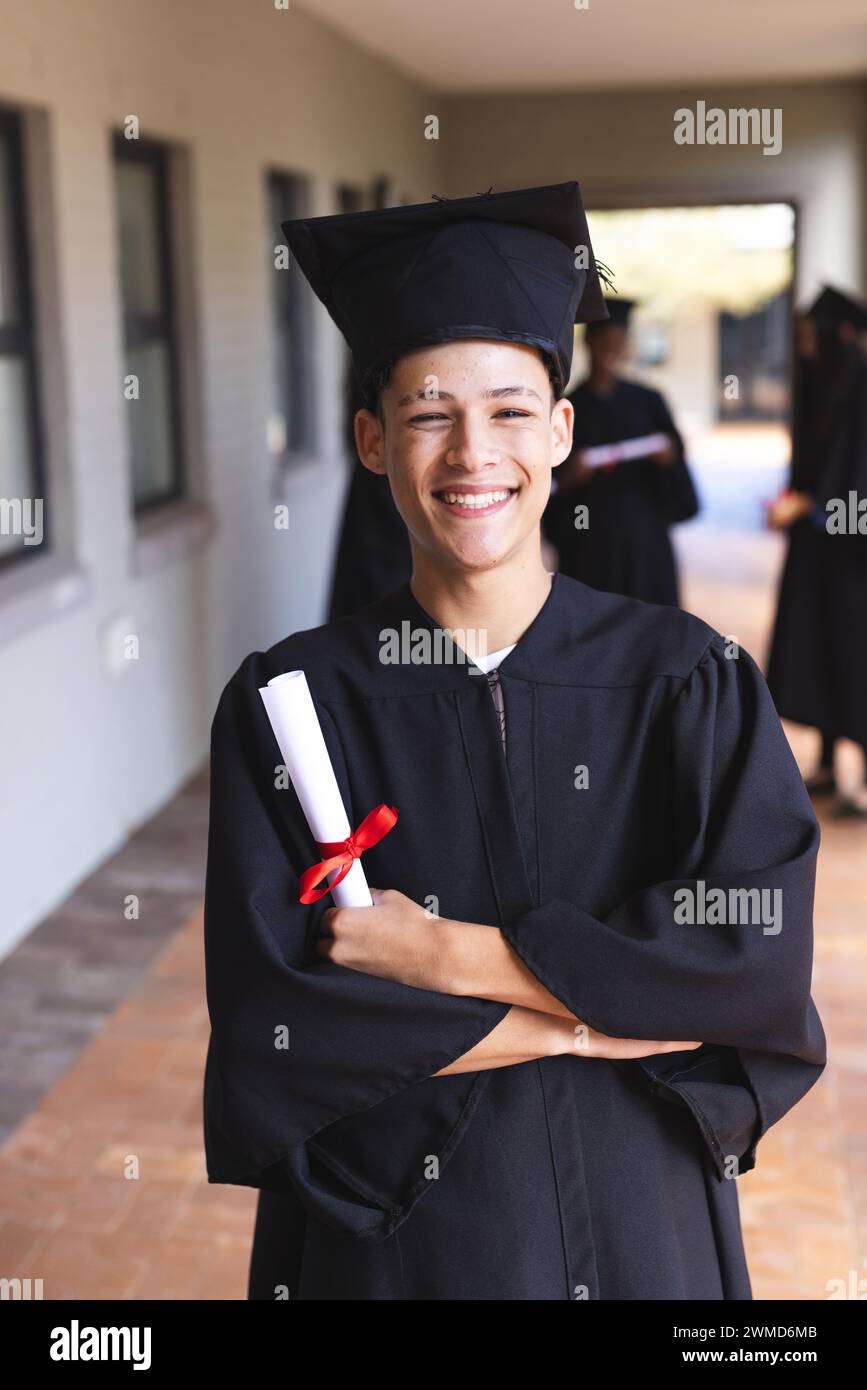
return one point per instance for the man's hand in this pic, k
(788, 508)
(524, 1035)
(586, 1042)
(395, 939)
(665, 457)
(399, 940)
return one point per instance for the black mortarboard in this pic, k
(496, 265)
(836, 307)
(619, 310)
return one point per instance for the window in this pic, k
(385, 192)
(349, 198)
(755, 347)
(149, 328)
(22, 524)
(292, 422)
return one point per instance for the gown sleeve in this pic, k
(742, 821)
(318, 1079)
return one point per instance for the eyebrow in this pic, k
(495, 393)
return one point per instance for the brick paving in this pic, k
(58, 987)
(102, 1186)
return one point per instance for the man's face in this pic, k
(608, 347)
(469, 442)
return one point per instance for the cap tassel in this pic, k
(605, 275)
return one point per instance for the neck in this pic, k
(601, 381)
(499, 603)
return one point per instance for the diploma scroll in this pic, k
(642, 447)
(290, 708)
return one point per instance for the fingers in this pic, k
(592, 1044)
(645, 1047)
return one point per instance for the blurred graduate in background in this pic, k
(373, 555)
(818, 665)
(632, 491)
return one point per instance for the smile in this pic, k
(475, 503)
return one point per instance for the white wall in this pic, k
(620, 147)
(689, 379)
(86, 756)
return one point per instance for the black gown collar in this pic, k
(579, 637)
(531, 656)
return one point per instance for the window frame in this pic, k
(139, 330)
(293, 182)
(21, 340)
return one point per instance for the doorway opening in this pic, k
(712, 332)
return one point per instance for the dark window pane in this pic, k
(150, 423)
(292, 422)
(16, 444)
(138, 207)
(755, 348)
(349, 198)
(148, 316)
(21, 488)
(16, 449)
(9, 299)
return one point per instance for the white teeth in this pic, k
(475, 500)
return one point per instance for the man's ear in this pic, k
(370, 441)
(562, 420)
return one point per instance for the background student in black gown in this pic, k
(373, 555)
(818, 665)
(626, 547)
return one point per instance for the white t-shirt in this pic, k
(487, 663)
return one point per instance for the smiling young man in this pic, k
(534, 1067)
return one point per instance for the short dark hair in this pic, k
(380, 377)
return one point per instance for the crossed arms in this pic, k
(399, 940)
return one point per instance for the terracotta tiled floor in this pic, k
(60, 984)
(69, 1216)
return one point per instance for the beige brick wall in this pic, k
(620, 146)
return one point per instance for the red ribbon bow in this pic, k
(343, 853)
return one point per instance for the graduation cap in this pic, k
(833, 306)
(619, 310)
(514, 267)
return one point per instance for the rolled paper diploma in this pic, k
(292, 713)
(639, 448)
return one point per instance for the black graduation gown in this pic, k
(626, 549)
(562, 1178)
(373, 553)
(817, 670)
